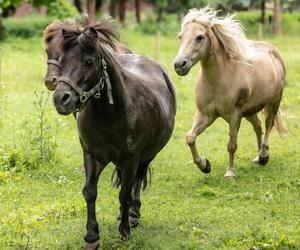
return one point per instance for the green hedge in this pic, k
(30, 26)
(250, 20)
(26, 27)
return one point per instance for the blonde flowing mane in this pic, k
(228, 31)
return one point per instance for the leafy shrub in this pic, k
(61, 9)
(290, 23)
(33, 25)
(36, 144)
(26, 27)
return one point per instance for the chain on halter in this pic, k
(95, 91)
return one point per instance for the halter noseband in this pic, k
(95, 91)
(54, 62)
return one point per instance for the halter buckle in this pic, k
(83, 97)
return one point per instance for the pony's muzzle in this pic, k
(50, 82)
(64, 101)
(182, 66)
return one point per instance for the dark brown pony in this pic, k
(126, 110)
(53, 41)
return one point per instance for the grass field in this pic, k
(41, 205)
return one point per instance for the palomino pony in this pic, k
(53, 41)
(239, 78)
(126, 110)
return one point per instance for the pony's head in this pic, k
(82, 65)
(53, 41)
(203, 34)
(53, 46)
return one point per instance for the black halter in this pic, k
(54, 62)
(95, 91)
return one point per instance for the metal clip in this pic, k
(83, 97)
(97, 95)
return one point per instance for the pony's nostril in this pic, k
(66, 98)
(183, 63)
(54, 79)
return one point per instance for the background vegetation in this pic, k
(41, 173)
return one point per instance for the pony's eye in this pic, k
(89, 62)
(199, 38)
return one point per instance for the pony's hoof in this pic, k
(124, 236)
(124, 231)
(263, 160)
(207, 167)
(91, 246)
(229, 175)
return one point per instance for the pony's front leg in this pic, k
(92, 171)
(234, 125)
(128, 170)
(201, 122)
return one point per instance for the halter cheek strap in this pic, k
(96, 90)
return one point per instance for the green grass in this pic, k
(43, 208)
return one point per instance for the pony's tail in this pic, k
(279, 123)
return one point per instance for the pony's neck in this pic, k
(213, 66)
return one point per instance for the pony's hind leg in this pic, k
(134, 210)
(258, 131)
(141, 176)
(263, 156)
(234, 125)
(200, 123)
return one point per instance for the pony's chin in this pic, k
(182, 72)
(63, 111)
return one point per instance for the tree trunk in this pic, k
(1, 29)
(263, 12)
(78, 6)
(276, 29)
(98, 4)
(262, 19)
(137, 11)
(159, 15)
(113, 8)
(91, 10)
(122, 11)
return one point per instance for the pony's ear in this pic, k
(93, 32)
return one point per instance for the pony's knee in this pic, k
(89, 193)
(190, 139)
(231, 147)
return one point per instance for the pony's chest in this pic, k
(97, 136)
